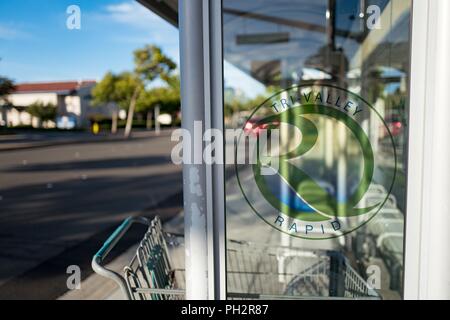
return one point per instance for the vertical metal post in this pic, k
(148, 124)
(217, 198)
(194, 173)
(114, 121)
(157, 124)
(202, 100)
(427, 255)
(337, 274)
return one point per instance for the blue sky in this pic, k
(36, 45)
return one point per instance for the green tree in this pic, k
(235, 104)
(42, 111)
(6, 87)
(121, 89)
(104, 91)
(173, 81)
(118, 88)
(166, 97)
(150, 63)
(128, 89)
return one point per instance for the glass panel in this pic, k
(315, 197)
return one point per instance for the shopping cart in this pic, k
(150, 275)
(253, 271)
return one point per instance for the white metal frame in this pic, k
(202, 100)
(215, 183)
(194, 175)
(427, 238)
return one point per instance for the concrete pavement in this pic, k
(27, 139)
(58, 203)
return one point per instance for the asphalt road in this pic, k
(58, 203)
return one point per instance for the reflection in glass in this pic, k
(333, 48)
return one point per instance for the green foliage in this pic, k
(116, 88)
(43, 111)
(167, 98)
(173, 81)
(150, 64)
(104, 91)
(6, 87)
(235, 103)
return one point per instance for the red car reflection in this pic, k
(395, 125)
(253, 127)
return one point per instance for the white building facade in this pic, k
(71, 98)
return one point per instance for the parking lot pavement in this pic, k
(59, 203)
(27, 139)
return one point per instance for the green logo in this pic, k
(331, 169)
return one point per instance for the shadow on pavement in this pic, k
(115, 163)
(48, 280)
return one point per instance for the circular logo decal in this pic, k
(327, 167)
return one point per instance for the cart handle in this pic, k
(109, 244)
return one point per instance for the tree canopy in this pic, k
(43, 111)
(117, 88)
(165, 97)
(6, 87)
(150, 64)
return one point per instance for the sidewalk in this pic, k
(96, 287)
(242, 225)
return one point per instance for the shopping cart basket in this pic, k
(253, 271)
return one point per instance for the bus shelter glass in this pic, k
(315, 94)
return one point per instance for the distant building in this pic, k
(72, 99)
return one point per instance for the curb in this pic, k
(44, 144)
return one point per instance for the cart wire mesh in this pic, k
(156, 271)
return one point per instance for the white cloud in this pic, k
(9, 32)
(133, 14)
(150, 27)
